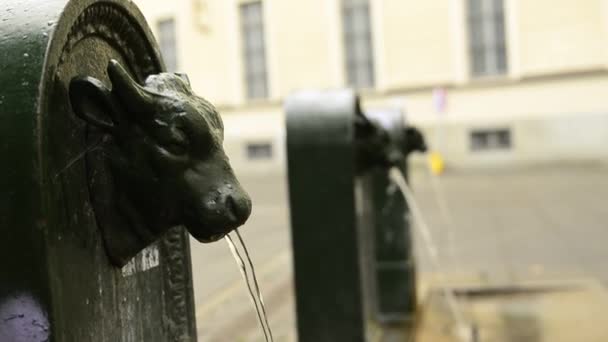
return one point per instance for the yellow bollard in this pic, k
(436, 163)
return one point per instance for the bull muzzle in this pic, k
(227, 208)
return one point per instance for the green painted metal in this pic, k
(56, 281)
(351, 232)
(391, 265)
(321, 168)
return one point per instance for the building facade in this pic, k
(524, 81)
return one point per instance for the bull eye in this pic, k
(178, 142)
(178, 149)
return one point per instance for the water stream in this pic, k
(464, 330)
(248, 273)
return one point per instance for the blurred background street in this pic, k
(509, 225)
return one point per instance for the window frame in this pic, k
(487, 38)
(253, 53)
(259, 150)
(170, 56)
(491, 139)
(357, 34)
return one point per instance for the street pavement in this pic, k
(501, 225)
(568, 311)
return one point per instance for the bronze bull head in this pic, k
(166, 158)
(376, 147)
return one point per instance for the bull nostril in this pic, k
(231, 206)
(239, 207)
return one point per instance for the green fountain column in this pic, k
(321, 168)
(385, 224)
(351, 235)
(56, 281)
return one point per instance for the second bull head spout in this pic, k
(376, 147)
(166, 158)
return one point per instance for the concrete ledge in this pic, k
(555, 311)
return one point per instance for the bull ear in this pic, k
(92, 102)
(136, 98)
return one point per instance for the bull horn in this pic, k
(134, 96)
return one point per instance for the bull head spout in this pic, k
(376, 147)
(166, 159)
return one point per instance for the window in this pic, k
(495, 139)
(167, 43)
(358, 47)
(254, 51)
(257, 151)
(487, 44)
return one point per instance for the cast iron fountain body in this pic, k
(104, 159)
(338, 162)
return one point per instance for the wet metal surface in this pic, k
(56, 282)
